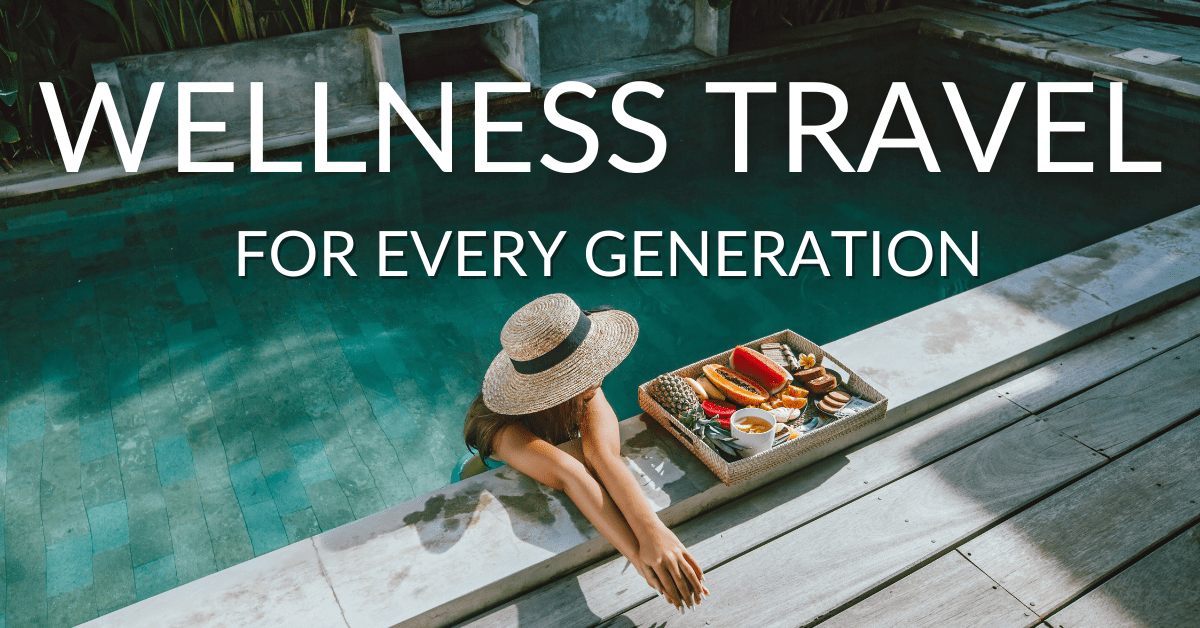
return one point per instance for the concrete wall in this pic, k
(583, 32)
(352, 61)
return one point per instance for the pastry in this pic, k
(839, 397)
(830, 401)
(759, 368)
(775, 353)
(812, 373)
(822, 384)
(829, 406)
(736, 387)
(825, 407)
(838, 373)
(793, 363)
(709, 389)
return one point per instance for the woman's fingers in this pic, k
(674, 596)
(689, 571)
(699, 572)
(695, 565)
(651, 579)
(677, 568)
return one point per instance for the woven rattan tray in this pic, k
(740, 470)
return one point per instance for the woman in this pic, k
(542, 412)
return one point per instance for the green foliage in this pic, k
(179, 23)
(9, 133)
(40, 42)
(190, 23)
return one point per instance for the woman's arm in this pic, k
(661, 551)
(561, 471)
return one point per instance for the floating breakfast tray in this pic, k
(740, 470)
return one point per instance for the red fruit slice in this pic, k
(718, 409)
(760, 368)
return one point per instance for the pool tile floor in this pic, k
(161, 426)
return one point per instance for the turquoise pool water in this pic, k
(162, 418)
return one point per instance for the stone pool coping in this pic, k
(1053, 7)
(1173, 77)
(457, 551)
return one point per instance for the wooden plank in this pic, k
(1164, 38)
(866, 545)
(1179, 8)
(1161, 590)
(950, 591)
(1115, 416)
(610, 588)
(1103, 359)
(1066, 23)
(1056, 549)
(1083, 20)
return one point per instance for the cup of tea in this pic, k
(753, 428)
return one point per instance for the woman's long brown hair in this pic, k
(555, 425)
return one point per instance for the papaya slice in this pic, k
(736, 387)
(760, 368)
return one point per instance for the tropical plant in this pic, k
(179, 22)
(717, 437)
(39, 42)
(190, 23)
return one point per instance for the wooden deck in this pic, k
(1172, 28)
(1065, 496)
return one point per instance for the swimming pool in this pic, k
(165, 418)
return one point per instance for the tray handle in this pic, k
(682, 432)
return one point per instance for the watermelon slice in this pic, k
(718, 409)
(760, 368)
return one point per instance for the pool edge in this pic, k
(384, 571)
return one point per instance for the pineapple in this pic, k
(677, 397)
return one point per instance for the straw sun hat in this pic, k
(553, 351)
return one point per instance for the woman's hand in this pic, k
(670, 569)
(666, 564)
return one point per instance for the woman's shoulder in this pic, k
(482, 426)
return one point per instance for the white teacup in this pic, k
(755, 443)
